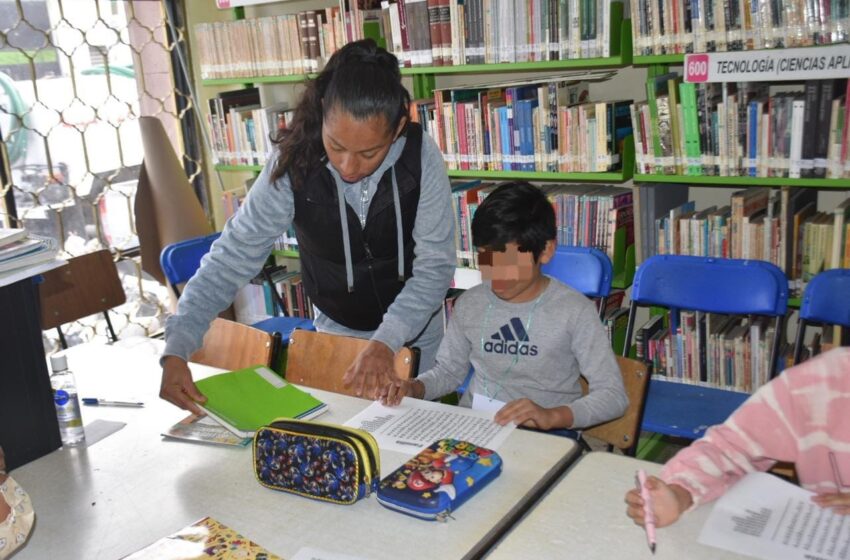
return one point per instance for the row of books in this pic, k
(753, 129)
(538, 126)
(715, 350)
(242, 131)
(457, 32)
(233, 199)
(255, 302)
(683, 26)
(418, 32)
(269, 46)
(781, 226)
(585, 215)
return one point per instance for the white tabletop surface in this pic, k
(132, 487)
(584, 516)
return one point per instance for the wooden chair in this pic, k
(623, 432)
(230, 345)
(319, 360)
(89, 284)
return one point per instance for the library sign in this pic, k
(812, 63)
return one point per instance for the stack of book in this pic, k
(20, 250)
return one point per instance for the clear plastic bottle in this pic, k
(66, 402)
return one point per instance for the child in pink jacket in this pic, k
(802, 416)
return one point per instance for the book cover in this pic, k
(247, 399)
(204, 539)
(203, 429)
(10, 235)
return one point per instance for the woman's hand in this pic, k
(371, 371)
(177, 385)
(669, 502)
(394, 391)
(838, 502)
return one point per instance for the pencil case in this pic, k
(437, 480)
(321, 461)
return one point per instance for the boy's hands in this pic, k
(395, 390)
(527, 413)
(838, 502)
(669, 500)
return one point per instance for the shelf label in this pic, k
(809, 63)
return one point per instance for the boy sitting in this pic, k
(527, 336)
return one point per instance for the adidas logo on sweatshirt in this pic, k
(511, 339)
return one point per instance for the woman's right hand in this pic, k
(669, 501)
(177, 385)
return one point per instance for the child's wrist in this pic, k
(684, 499)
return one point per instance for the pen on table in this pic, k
(648, 509)
(413, 443)
(104, 402)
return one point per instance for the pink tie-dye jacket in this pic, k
(802, 416)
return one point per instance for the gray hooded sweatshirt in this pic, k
(248, 237)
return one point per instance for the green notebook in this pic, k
(247, 399)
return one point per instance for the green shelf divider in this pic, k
(287, 253)
(794, 302)
(222, 167)
(614, 177)
(288, 79)
(742, 181)
(643, 60)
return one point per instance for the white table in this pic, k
(584, 516)
(133, 488)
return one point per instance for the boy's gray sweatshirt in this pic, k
(248, 238)
(535, 350)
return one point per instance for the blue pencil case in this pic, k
(437, 480)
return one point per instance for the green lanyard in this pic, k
(501, 378)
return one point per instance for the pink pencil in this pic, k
(648, 510)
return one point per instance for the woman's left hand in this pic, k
(371, 370)
(838, 502)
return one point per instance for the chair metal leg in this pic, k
(62, 341)
(602, 302)
(112, 334)
(629, 328)
(798, 343)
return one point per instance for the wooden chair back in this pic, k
(88, 284)
(623, 432)
(230, 345)
(319, 360)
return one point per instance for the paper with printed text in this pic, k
(765, 517)
(415, 424)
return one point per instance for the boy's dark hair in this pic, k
(514, 212)
(361, 79)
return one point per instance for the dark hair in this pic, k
(515, 212)
(361, 79)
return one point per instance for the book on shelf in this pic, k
(205, 538)
(530, 126)
(418, 32)
(247, 399)
(686, 26)
(203, 429)
(754, 129)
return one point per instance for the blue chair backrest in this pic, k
(826, 298)
(584, 269)
(711, 285)
(181, 260)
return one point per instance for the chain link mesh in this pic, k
(75, 76)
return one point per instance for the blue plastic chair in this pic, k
(826, 301)
(181, 260)
(585, 269)
(733, 286)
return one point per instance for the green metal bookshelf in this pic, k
(742, 181)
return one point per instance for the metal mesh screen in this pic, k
(75, 76)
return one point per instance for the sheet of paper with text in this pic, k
(765, 517)
(415, 424)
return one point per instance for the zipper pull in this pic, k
(368, 251)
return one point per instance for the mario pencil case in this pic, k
(438, 479)
(321, 461)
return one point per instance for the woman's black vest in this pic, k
(374, 250)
